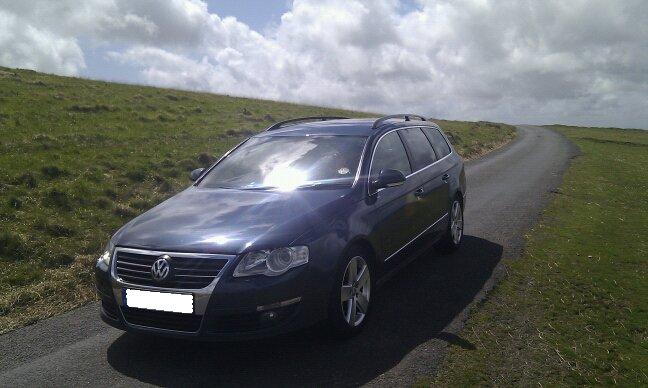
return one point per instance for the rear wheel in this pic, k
(350, 301)
(451, 240)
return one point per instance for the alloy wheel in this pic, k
(355, 291)
(456, 222)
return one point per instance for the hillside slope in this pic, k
(79, 158)
(573, 310)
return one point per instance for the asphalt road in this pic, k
(418, 312)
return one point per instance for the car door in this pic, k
(393, 208)
(442, 169)
(432, 193)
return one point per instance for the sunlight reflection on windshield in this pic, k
(285, 178)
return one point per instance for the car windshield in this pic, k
(289, 162)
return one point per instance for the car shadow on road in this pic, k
(412, 308)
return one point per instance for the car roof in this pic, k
(343, 127)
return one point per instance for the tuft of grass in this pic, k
(574, 309)
(28, 179)
(59, 260)
(103, 203)
(141, 204)
(166, 187)
(12, 246)
(55, 229)
(58, 198)
(124, 211)
(136, 175)
(189, 164)
(18, 274)
(90, 155)
(206, 160)
(111, 193)
(53, 172)
(15, 202)
(96, 108)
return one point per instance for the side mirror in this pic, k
(387, 178)
(195, 174)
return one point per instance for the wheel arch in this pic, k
(460, 196)
(365, 245)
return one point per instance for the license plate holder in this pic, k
(158, 300)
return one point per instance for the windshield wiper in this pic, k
(313, 185)
(322, 185)
(256, 188)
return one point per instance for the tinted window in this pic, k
(390, 154)
(438, 141)
(419, 146)
(288, 162)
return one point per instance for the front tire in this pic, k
(453, 236)
(350, 301)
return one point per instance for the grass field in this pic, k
(574, 309)
(79, 158)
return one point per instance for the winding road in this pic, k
(419, 311)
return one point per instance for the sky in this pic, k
(580, 62)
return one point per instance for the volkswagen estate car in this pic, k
(294, 226)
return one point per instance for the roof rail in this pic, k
(405, 116)
(286, 123)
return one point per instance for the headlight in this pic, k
(105, 257)
(271, 263)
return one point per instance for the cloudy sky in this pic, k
(522, 61)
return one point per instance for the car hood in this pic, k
(230, 221)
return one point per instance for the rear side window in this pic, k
(438, 141)
(419, 146)
(390, 154)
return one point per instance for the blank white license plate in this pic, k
(160, 301)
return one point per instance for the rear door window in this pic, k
(438, 141)
(390, 154)
(419, 147)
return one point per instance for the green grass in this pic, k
(79, 158)
(574, 309)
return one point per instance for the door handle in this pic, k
(445, 177)
(419, 192)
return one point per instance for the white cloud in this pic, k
(24, 45)
(518, 61)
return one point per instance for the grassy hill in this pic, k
(79, 158)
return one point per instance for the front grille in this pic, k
(186, 271)
(162, 319)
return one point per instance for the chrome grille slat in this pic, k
(136, 265)
(133, 270)
(139, 260)
(132, 277)
(194, 276)
(187, 272)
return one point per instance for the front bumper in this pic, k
(228, 309)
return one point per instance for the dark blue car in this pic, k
(294, 226)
